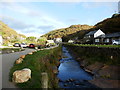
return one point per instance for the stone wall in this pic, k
(101, 54)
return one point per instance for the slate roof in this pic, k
(92, 32)
(117, 34)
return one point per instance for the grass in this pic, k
(10, 50)
(93, 45)
(41, 61)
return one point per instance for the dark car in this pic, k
(16, 45)
(31, 46)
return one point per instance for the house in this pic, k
(70, 41)
(99, 39)
(1, 40)
(50, 43)
(58, 40)
(108, 38)
(90, 37)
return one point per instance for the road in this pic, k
(7, 61)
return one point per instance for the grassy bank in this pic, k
(93, 45)
(41, 61)
(10, 50)
(110, 56)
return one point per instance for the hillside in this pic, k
(108, 25)
(65, 32)
(9, 35)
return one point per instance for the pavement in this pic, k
(6, 62)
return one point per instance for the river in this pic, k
(71, 75)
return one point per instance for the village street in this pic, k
(7, 61)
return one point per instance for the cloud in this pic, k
(36, 34)
(97, 4)
(59, 0)
(32, 13)
(46, 27)
(40, 22)
(73, 20)
(14, 23)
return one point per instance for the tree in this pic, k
(42, 40)
(31, 38)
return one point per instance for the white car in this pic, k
(116, 42)
(23, 45)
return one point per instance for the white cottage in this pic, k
(50, 42)
(91, 36)
(58, 40)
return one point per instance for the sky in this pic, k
(34, 18)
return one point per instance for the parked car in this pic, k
(24, 45)
(116, 42)
(16, 45)
(31, 46)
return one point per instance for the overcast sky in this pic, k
(38, 18)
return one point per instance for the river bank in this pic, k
(39, 61)
(71, 75)
(106, 73)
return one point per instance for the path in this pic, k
(7, 62)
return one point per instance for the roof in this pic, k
(92, 32)
(117, 34)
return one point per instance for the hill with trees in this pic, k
(109, 25)
(9, 35)
(65, 32)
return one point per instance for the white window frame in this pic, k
(97, 40)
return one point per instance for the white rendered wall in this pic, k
(98, 33)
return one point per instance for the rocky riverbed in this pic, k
(104, 76)
(71, 75)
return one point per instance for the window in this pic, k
(107, 40)
(96, 40)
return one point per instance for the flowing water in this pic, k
(71, 75)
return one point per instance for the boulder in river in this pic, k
(18, 61)
(70, 80)
(21, 76)
(55, 70)
(65, 85)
